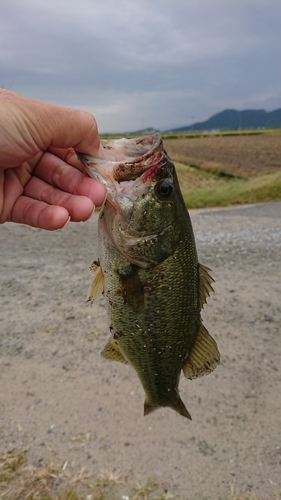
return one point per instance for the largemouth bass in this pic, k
(148, 271)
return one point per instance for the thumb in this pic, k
(71, 128)
(48, 125)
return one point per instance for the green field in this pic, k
(204, 189)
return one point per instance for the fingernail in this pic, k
(92, 212)
(69, 219)
(85, 220)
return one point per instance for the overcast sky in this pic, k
(141, 63)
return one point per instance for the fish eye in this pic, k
(164, 189)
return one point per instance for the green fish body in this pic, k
(149, 273)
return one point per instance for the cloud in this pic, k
(143, 61)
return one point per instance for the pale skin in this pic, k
(42, 182)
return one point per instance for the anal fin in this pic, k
(112, 351)
(97, 286)
(204, 356)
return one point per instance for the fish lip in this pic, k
(146, 144)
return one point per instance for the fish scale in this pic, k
(149, 273)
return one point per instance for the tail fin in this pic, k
(179, 407)
(149, 407)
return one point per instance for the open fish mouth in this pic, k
(143, 154)
(128, 166)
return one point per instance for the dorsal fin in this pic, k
(205, 284)
(97, 286)
(112, 351)
(204, 356)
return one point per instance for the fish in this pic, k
(148, 271)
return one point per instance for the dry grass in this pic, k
(21, 481)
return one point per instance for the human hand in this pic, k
(42, 182)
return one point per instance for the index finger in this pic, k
(68, 156)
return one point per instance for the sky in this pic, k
(143, 63)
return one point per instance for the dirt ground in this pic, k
(241, 155)
(64, 402)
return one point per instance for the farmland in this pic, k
(227, 169)
(242, 155)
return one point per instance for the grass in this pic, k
(202, 188)
(21, 481)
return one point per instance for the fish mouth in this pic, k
(128, 166)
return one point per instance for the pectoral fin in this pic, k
(97, 286)
(204, 356)
(132, 290)
(112, 351)
(205, 285)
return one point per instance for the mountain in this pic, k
(230, 119)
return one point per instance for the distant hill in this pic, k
(230, 119)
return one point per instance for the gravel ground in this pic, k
(63, 401)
